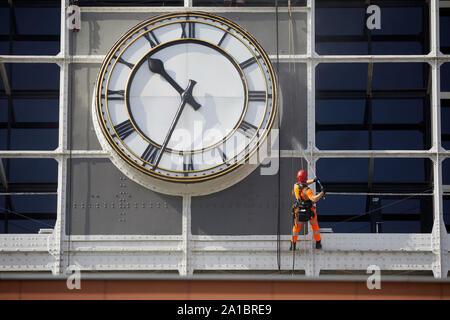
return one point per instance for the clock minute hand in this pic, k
(185, 96)
(157, 66)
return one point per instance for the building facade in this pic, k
(363, 92)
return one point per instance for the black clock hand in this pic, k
(185, 96)
(157, 66)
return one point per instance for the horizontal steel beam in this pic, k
(218, 9)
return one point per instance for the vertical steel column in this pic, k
(186, 265)
(58, 235)
(439, 233)
(311, 268)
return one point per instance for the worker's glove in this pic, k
(319, 186)
(316, 179)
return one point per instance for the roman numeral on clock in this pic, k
(128, 64)
(150, 153)
(248, 62)
(151, 38)
(258, 96)
(247, 129)
(190, 30)
(223, 37)
(124, 129)
(222, 154)
(188, 163)
(115, 94)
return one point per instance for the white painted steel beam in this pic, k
(364, 153)
(189, 7)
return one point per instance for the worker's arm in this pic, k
(311, 181)
(314, 198)
(317, 197)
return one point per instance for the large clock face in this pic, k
(185, 97)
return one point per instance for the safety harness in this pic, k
(303, 205)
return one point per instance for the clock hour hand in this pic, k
(185, 96)
(157, 66)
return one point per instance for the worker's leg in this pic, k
(316, 230)
(295, 231)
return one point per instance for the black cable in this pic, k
(373, 210)
(279, 152)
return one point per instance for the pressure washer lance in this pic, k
(319, 183)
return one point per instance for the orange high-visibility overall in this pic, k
(298, 224)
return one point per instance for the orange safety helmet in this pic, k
(302, 176)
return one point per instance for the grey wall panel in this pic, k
(292, 35)
(82, 80)
(103, 201)
(99, 31)
(249, 207)
(292, 78)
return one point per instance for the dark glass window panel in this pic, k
(35, 76)
(36, 110)
(341, 76)
(400, 21)
(386, 170)
(445, 106)
(444, 30)
(397, 140)
(36, 47)
(401, 226)
(3, 110)
(446, 209)
(3, 139)
(446, 171)
(29, 213)
(339, 21)
(247, 3)
(445, 77)
(402, 206)
(38, 20)
(340, 111)
(399, 96)
(345, 169)
(347, 25)
(405, 110)
(144, 3)
(398, 76)
(34, 203)
(344, 212)
(344, 140)
(4, 20)
(4, 48)
(341, 48)
(401, 170)
(445, 122)
(396, 48)
(31, 170)
(341, 205)
(34, 139)
(27, 226)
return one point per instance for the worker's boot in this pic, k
(292, 247)
(318, 245)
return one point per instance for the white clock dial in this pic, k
(185, 97)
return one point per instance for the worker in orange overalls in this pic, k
(303, 209)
